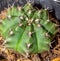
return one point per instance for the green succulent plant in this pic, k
(27, 30)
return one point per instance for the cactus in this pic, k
(27, 30)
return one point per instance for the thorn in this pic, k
(29, 3)
(21, 17)
(39, 11)
(9, 5)
(20, 24)
(29, 12)
(50, 44)
(3, 49)
(26, 18)
(9, 16)
(38, 25)
(0, 21)
(37, 20)
(11, 32)
(1, 38)
(13, 5)
(30, 33)
(47, 35)
(46, 8)
(19, 8)
(28, 45)
(27, 55)
(29, 24)
(57, 25)
(48, 20)
(6, 41)
(30, 21)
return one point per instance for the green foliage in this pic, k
(27, 30)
